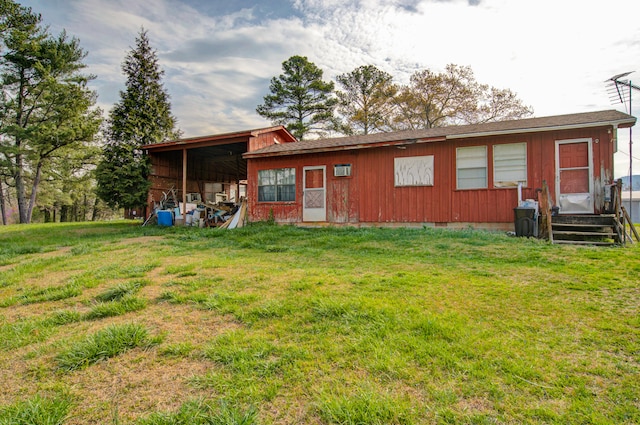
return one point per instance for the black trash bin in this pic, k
(525, 221)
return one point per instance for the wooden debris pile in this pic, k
(238, 219)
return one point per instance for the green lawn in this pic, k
(122, 324)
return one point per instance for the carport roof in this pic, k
(217, 139)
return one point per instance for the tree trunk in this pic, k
(3, 205)
(47, 215)
(96, 210)
(85, 206)
(34, 190)
(21, 192)
(74, 211)
(64, 213)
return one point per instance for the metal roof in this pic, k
(439, 134)
(216, 139)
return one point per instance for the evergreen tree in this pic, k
(142, 116)
(299, 99)
(365, 100)
(70, 184)
(45, 106)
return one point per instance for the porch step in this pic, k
(572, 242)
(585, 230)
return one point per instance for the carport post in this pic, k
(184, 183)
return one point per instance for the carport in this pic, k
(207, 169)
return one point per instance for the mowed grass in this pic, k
(117, 323)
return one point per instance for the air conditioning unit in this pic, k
(342, 170)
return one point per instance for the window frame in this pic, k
(470, 159)
(524, 167)
(278, 188)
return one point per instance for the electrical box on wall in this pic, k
(342, 170)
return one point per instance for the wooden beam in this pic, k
(184, 183)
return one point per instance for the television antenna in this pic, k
(620, 91)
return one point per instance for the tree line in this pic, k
(62, 160)
(57, 152)
(369, 101)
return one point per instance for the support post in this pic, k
(184, 183)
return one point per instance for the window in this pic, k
(413, 171)
(510, 165)
(277, 185)
(471, 167)
(210, 190)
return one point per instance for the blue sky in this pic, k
(219, 55)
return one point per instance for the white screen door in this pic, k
(574, 176)
(314, 207)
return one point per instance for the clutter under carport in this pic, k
(223, 214)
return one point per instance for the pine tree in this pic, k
(46, 105)
(299, 99)
(142, 116)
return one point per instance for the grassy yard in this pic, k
(116, 323)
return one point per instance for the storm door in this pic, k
(314, 207)
(574, 176)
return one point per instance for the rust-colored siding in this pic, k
(369, 195)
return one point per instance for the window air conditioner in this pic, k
(342, 170)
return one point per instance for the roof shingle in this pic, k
(557, 122)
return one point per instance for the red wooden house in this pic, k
(454, 176)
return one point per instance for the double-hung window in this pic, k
(510, 164)
(471, 167)
(277, 185)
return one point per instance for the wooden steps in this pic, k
(585, 230)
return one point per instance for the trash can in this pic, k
(165, 218)
(525, 221)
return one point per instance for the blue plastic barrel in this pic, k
(165, 218)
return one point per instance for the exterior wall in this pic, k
(263, 140)
(369, 195)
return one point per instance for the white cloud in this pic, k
(219, 57)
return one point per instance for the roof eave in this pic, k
(341, 148)
(217, 138)
(617, 123)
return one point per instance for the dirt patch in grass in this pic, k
(475, 405)
(40, 255)
(140, 240)
(183, 323)
(132, 385)
(12, 375)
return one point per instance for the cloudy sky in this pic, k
(219, 55)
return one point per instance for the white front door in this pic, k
(314, 205)
(574, 176)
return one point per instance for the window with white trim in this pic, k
(510, 164)
(277, 185)
(471, 167)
